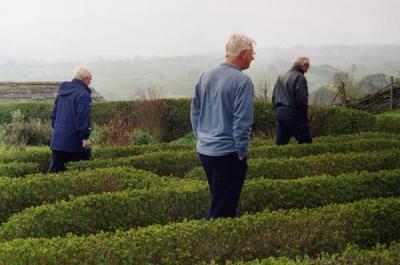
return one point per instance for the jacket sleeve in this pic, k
(301, 92)
(195, 108)
(83, 110)
(53, 115)
(276, 87)
(243, 117)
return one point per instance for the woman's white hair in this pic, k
(236, 44)
(82, 72)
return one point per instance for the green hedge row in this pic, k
(332, 164)
(354, 255)
(43, 156)
(282, 233)
(301, 150)
(17, 169)
(189, 200)
(180, 162)
(176, 116)
(19, 193)
(161, 163)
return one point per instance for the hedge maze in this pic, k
(336, 201)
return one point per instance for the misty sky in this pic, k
(52, 30)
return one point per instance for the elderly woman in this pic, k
(70, 121)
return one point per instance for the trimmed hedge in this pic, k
(283, 233)
(353, 255)
(301, 150)
(161, 163)
(16, 169)
(42, 157)
(181, 162)
(356, 137)
(332, 164)
(19, 193)
(189, 200)
(176, 116)
(387, 123)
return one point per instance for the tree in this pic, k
(372, 83)
(323, 96)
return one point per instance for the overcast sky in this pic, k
(70, 29)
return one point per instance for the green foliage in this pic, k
(116, 120)
(187, 139)
(283, 233)
(140, 137)
(387, 123)
(336, 121)
(16, 169)
(353, 255)
(189, 200)
(28, 110)
(162, 163)
(332, 164)
(34, 190)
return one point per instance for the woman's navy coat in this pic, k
(70, 118)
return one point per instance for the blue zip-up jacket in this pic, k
(70, 118)
(222, 111)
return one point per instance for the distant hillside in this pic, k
(120, 79)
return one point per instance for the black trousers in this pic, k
(290, 123)
(59, 158)
(225, 175)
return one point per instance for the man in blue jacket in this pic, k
(222, 116)
(290, 99)
(70, 121)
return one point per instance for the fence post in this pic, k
(391, 93)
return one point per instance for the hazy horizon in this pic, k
(48, 30)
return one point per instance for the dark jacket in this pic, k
(70, 118)
(291, 90)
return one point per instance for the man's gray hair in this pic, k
(236, 44)
(82, 72)
(302, 61)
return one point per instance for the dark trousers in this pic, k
(59, 158)
(225, 175)
(290, 123)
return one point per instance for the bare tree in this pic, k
(262, 88)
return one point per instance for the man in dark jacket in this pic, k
(70, 121)
(290, 98)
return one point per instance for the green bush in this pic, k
(189, 200)
(140, 137)
(387, 123)
(283, 233)
(29, 110)
(19, 193)
(336, 121)
(16, 169)
(321, 148)
(353, 255)
(332, 164)
(162, 163)
(178, 163)
(175, 115)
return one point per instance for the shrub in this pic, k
(282, 233)
(353, 255)
(189, 200)
(140, 137)
(16, 169)
(20, 193)
(332, 164)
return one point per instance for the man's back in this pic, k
(291, 90)
(222, 108)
